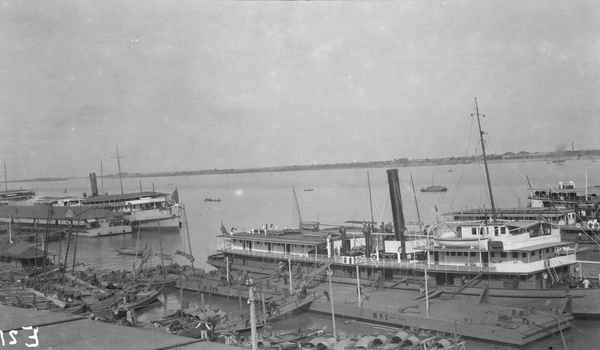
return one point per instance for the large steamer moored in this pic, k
(511, 262)
(146, 209)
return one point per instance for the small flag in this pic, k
(223, 229)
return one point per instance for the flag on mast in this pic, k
(223, 229)
(175, 196)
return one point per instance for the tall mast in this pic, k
(119, 163)
(101, 177)
(297, 208)
(370, 199)
(416, 203)
(487, 173)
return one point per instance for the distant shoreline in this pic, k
(396, 163)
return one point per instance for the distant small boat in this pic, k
(450, 170)
(434, 188)
(212, 199)
(308, 190)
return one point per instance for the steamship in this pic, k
(521, 262)
(500, 261)
(146, 209)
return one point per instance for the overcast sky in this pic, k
(201, 85)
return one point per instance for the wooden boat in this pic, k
(277, 337)
(143, 299)
(459, 235)
(127, 251)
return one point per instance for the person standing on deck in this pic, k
(586, 283)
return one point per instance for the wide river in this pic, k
(329, 196)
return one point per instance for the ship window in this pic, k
(459, 254)
(447, 253)
(452, 253)
(496, 231)
(503, 255)
(472, 254)
(492, 255)
(533, 253)
(515, 255)
(523, 255)
(473, 230)
(547, 250)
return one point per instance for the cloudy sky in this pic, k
(193, 85)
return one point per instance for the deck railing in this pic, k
(506, 267)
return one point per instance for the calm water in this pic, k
(254, 200)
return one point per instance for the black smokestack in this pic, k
(94, 184)
(343, 247)
(397, 213)
(367, 232)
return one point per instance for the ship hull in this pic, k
(585, 301)
(154, 218)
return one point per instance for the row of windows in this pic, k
(497, 230)
(493, 254)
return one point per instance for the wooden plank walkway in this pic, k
(57, 330)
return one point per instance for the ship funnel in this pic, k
(397, 213)
(344, 246)
(94, 184)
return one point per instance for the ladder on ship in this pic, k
(552, 272)
(318, 269)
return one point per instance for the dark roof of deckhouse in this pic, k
(524, 249)
(283, 239)
(53, 213)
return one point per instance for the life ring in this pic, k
(275, 311)
(562, 198)
(241, 340)
(590, 224)
(204, 288)
(577, 225)
(545, 275)
(596, 226)
(576, 268)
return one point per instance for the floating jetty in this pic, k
(408, 309)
